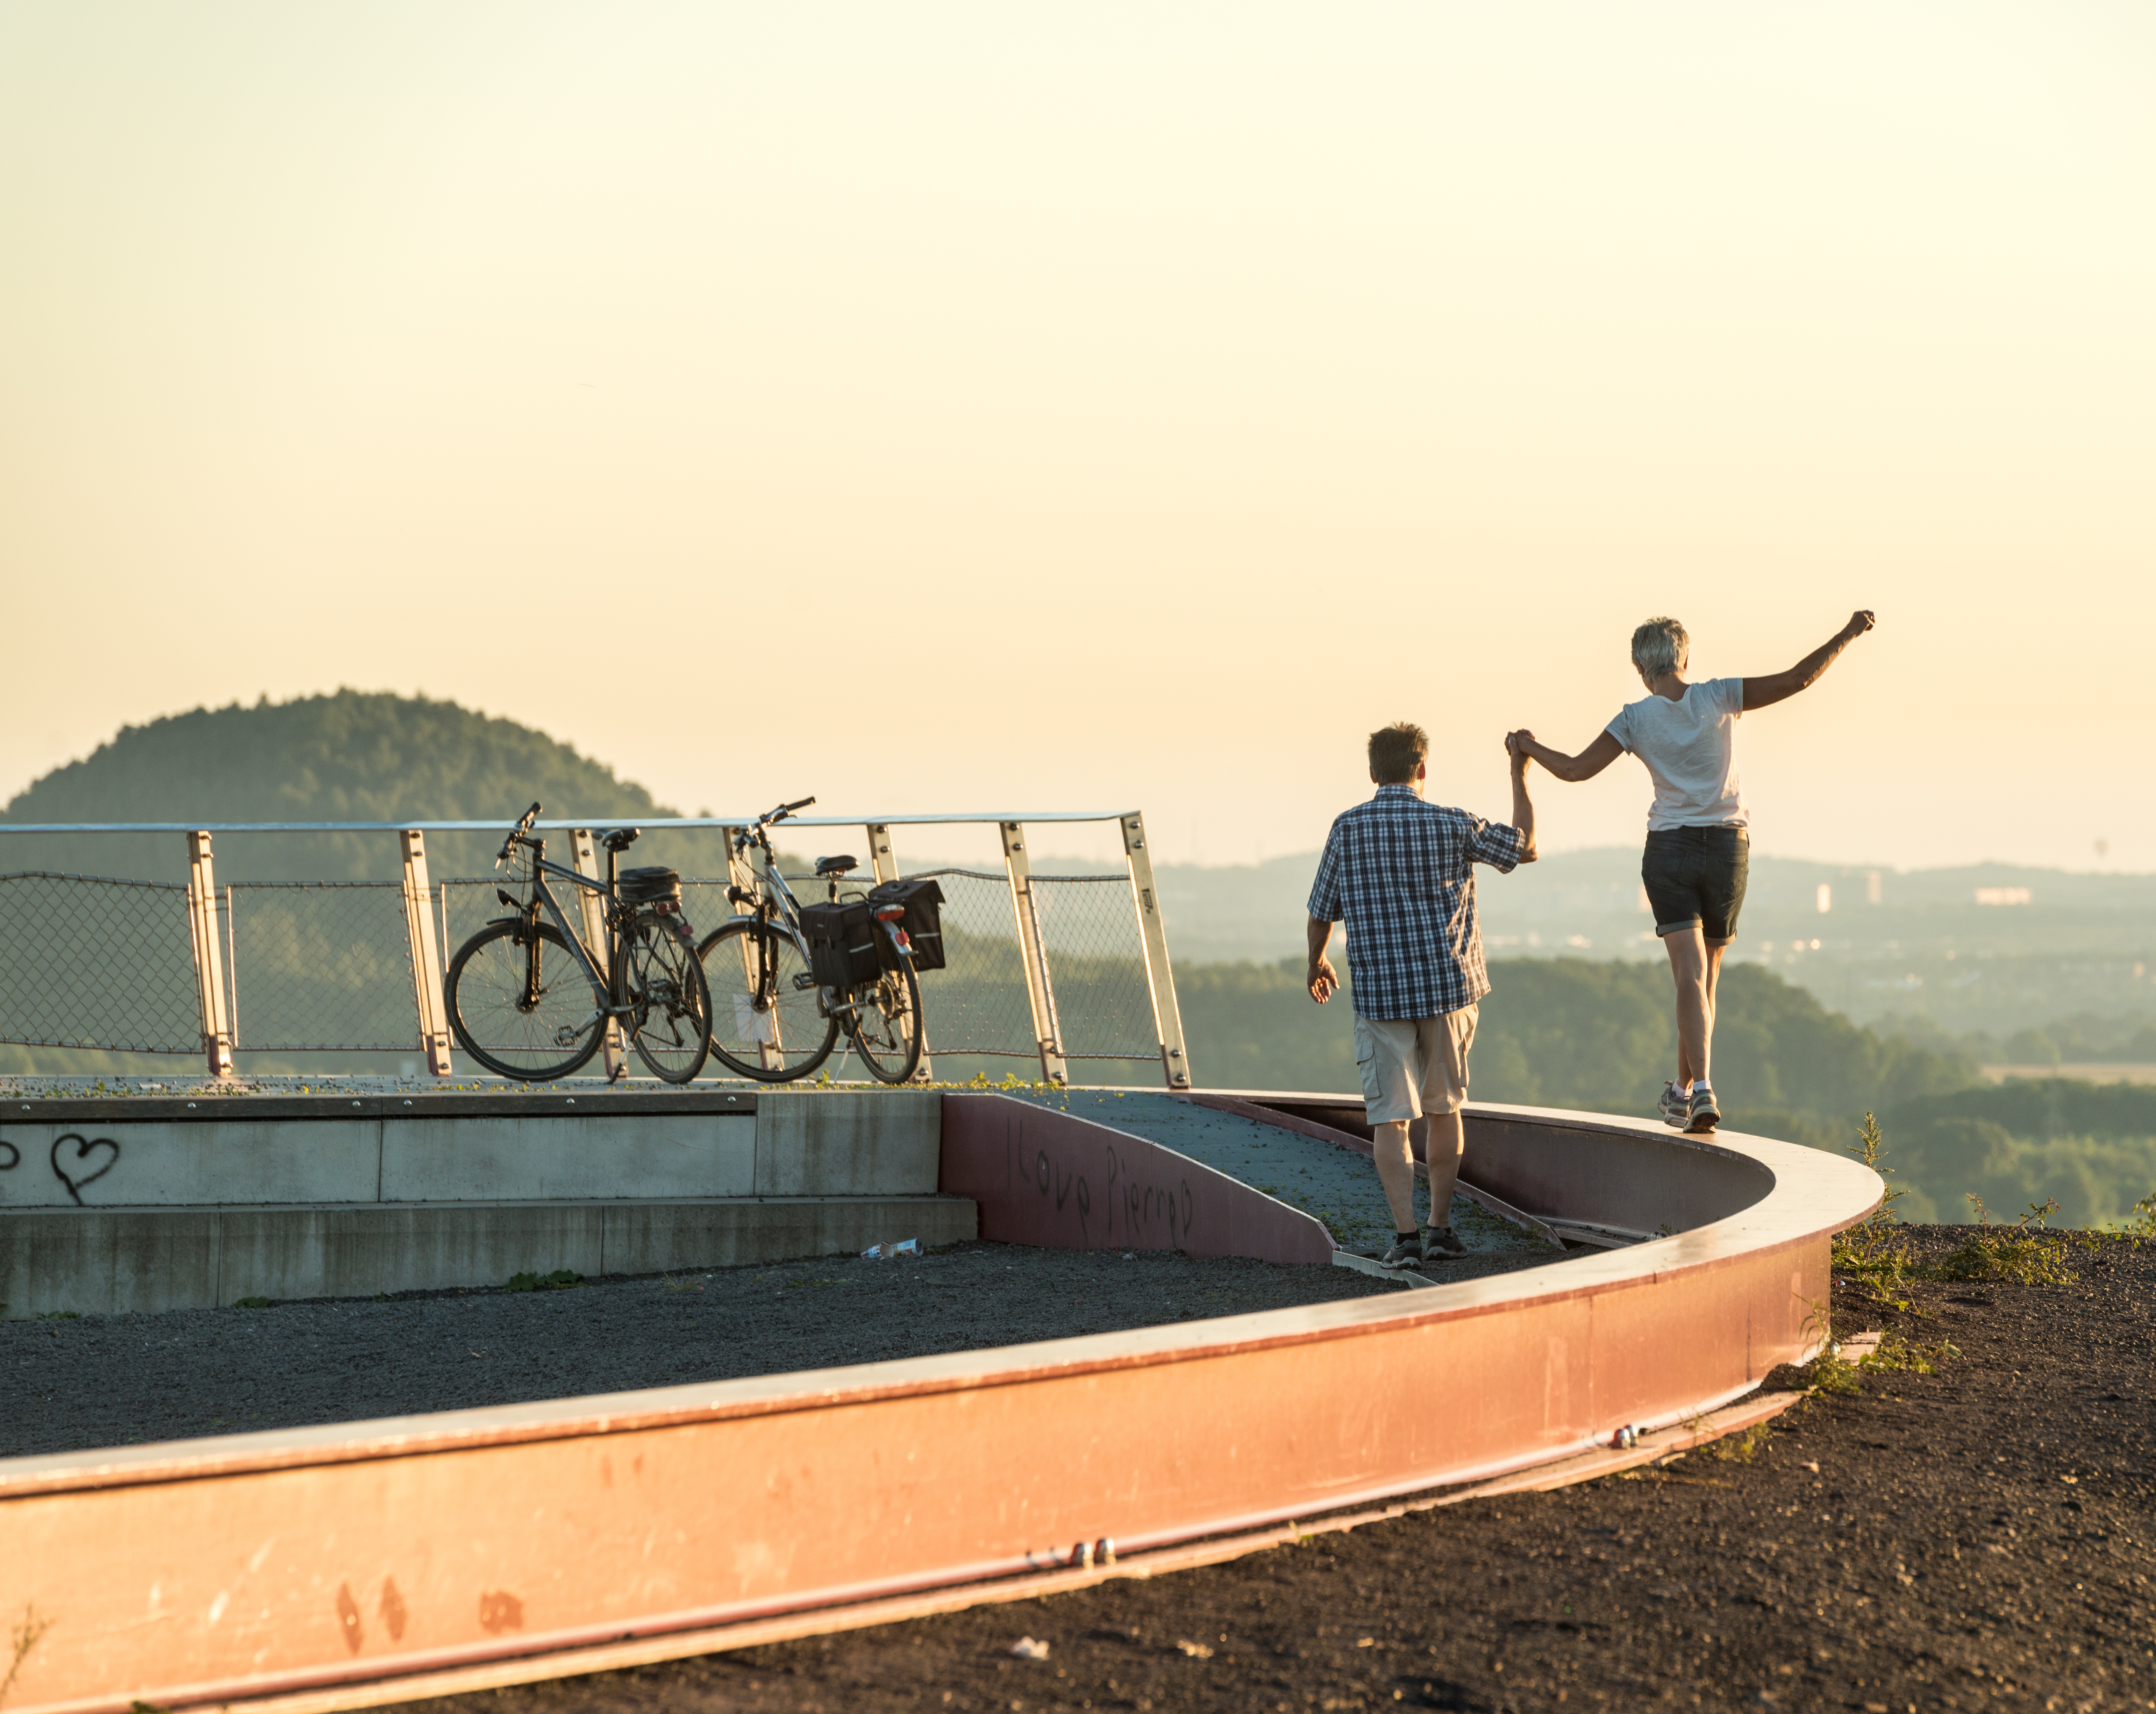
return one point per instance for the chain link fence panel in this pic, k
(320, 967)
(89, 962)
(976, 1003)
(1096, 964)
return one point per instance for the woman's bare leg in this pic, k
(1713, 993)
(1696, 968)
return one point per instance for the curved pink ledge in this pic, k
(334, 1559)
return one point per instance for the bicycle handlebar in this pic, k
(783, 811)
(516, 834)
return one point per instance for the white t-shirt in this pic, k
(1690, 747)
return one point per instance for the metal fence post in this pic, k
(209, 957)
(584, 857)
(1160, 979)
(885, 865)
(1033, 953)
(426, 967)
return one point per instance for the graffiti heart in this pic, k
(85, 1148)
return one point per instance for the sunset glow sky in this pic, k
(986, 406)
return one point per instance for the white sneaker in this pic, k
(1675, 1110)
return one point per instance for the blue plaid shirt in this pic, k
(1400, 873)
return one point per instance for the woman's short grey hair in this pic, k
(1660, 646)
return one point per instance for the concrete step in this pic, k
(106, 1261)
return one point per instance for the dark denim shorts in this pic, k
(1697, 874)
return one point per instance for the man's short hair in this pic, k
(1660, 646)
(1394, 751)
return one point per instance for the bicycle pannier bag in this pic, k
(842, 943)
(647, 887)
(924, 920)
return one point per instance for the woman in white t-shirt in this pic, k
(1698, 848)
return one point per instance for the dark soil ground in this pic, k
(1974, 1537)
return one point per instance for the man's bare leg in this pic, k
(1690, 962)
(1396, 1171)
(1444, 1138)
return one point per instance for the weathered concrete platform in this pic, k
(151, 1204)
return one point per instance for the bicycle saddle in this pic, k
(836, 866)
(619, 839)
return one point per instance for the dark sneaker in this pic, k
(1441, 1245)
(1705, 1113)
(1676, 1109)
(1406, 1253)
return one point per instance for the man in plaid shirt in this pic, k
(1400, 873)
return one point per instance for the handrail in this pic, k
(970, 817)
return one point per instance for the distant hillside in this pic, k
(354, 755)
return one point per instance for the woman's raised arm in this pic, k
(1590, 762)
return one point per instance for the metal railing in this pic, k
(1060, 969)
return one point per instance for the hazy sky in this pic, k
(992, 406)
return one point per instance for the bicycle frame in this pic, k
(606, 981)
(776, 904)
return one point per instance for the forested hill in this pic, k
(355, 756)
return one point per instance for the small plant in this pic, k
(61, 1315)
(1869, 1255)
(22, 1639)
(561, 1279)
(2139, 1226)
(2017, 1254)
(250, 1303)
(1831, 1374)
(1740, 1448)
(1898, 1355)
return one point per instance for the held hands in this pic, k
(1860, 622)
(1517, 746)
(1324, 981)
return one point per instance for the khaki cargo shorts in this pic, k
(1412, 1066)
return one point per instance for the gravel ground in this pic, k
(77, 1381)
(1978, 1537)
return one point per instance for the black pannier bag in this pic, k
(924, 919)
(842, 943)
(648, 887)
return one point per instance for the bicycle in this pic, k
(775, 1015)
(531, 1000)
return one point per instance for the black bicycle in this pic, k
(530, 999)
(786, 977)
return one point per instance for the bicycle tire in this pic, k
(486, 999)
(774, 1043)
(888, 1038)
(671, 1026)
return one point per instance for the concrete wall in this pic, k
(149, 1204)
(227, 1153)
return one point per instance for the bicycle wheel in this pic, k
(671, 1025)
(771, 1029)
(522, 1006)
(886, 1029)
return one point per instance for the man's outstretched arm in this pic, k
(1523, 806)
(1762, 693)
(1590, 762)
(1323, 980)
